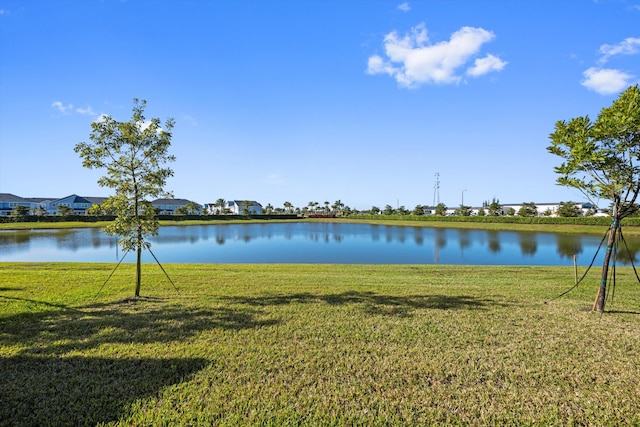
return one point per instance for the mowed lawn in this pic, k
(315, 345)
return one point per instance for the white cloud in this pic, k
(485, 65)
(64, 109)
(629, 46)
(69, 108)
(605, 81)
(413, 60)
(404, 7)
(86, 111)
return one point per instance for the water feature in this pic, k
(312, 242)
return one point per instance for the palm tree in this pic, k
(338, 205)
(220, 205)
(192, 208)
(269, 208)
(326, 207)
(246, 204)
(288, 206)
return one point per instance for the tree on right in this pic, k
(601, 158)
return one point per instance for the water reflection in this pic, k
(316, 243)
(627, 252)
(494, 241)
(568, 246)
(464, 241)
(528, 243)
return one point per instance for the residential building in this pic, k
(169, 206)
(8, 201)
(238, 207)
(75, 202)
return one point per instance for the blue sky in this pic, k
(301, 101)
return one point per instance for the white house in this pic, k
(238, 207)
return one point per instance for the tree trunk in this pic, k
(602, 290)
(138, 270)
(139, 262)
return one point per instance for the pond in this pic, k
(313, 242)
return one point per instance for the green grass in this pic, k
(315, 345)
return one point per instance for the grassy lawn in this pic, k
(315, 345)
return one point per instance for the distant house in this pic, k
(211, 209)
(8, 201)
(75, 202)
(238, 207)
(169, 206)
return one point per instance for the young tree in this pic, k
(463, 211)
(494, 208)
(64, 210)
(40, 211)
(134, 154)
(569, 209)
(19, 211)
(602, 160)
(441, 209)
(528, 210)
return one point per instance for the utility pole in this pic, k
(436, 190)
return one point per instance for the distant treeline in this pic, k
(579, 220)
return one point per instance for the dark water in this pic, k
(297, 242)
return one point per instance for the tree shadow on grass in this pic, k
(82, 391)
(45, 382)
(7, 289)
(374, 303)
(78, 329)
